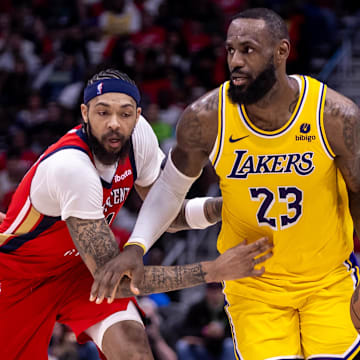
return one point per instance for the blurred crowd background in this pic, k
(174, 50)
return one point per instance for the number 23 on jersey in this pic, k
(290, 195)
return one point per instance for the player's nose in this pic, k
(237, 60)
(114, 122)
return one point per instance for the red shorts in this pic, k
(30, 308)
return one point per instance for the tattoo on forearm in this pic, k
(93, 239)
(166, 278)
(212, 209)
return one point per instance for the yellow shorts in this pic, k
(314, 324)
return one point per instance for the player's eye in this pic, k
(248, 50)
(230, 50)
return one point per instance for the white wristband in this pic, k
(194, 213)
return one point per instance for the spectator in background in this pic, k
(160, 348)
(34, 113)
(15, 85)
(206, 332)
(162, 130)
(150, 35)
(13, 46)
(11, 175)
(63, 346)
(120, 17)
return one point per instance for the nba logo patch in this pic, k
(99, 89)
(305, 128)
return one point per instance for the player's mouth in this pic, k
(114, 143)
(239, 80)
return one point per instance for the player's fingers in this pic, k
(94, 287)
(115, 280)
(260, 246)
(103, 286)
(136, 280)
(257, 272)
(263, 258)
(260, 251)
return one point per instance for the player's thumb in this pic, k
(136, 280)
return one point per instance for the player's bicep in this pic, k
(194, 143)
(94, 240)
(342, 127)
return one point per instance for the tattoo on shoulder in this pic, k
(350, 116)
(195, 121)
(94, 240)
(212, 101)
(192, 129)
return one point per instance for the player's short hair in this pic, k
(275, 24)
(110, 74)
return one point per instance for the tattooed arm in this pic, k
(342, 126)
(196, 133)
(94, 240)
(235, 263)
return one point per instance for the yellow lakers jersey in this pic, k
(283, 184)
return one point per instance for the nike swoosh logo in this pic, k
(238, 139)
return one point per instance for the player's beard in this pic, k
(104, 156)
(256, 90)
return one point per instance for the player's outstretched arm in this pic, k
(196, 134)
(237, 262)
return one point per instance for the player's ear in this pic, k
(282, 51)
(84, 112)
(138, 113)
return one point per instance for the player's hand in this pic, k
(129, 263)
(240, 261)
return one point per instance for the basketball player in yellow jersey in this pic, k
(287, 151)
